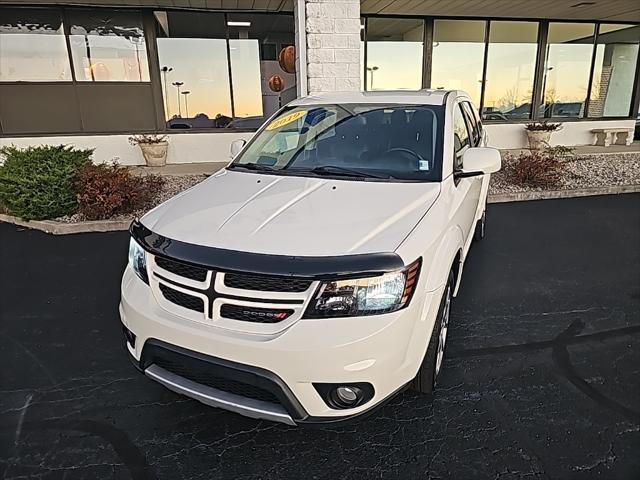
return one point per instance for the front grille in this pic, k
(254, 314)
(204, 373)
(182, 269)
(266, 283)
(182, 299)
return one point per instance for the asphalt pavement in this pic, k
(541, 377)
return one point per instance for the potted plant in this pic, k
(539, 134)
(154, 148)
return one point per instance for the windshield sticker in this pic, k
(423, 165)
(282, 121)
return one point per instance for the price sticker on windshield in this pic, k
(282, 121)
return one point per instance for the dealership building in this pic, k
(207, 72)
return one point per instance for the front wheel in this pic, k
(425, 380)
(480, 226)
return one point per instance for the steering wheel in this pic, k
(404, 150)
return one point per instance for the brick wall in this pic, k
(333, 45)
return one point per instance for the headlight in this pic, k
(138, 260)
(365, 296)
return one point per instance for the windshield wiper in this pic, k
(253, 166)
(345, 172)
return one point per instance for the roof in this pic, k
(418, 97)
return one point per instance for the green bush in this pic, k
(38, 183)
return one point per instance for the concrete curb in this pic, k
(61, 228)
(551, 194)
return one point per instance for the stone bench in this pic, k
(603, 136)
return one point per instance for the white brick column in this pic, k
(332, 30)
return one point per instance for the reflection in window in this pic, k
(566, 70)
(108, 46)
(458, 52)
(614, 73)
(32, 46)
(460, 136)
(394, 54)
(511, 61)
(192, 51)
(260, 85)
(206, 88)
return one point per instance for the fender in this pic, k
(445, 254)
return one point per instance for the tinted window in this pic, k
(32, 46)
(566, 74)
(389, 140)
(458, 52)
(511, 60)
(461, 139)
(394, 53)
(108, 46)
(615, 67)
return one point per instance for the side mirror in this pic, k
(237, 146)
(480, 161)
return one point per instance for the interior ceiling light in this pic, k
(238, 24)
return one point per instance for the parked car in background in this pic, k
(312, 279)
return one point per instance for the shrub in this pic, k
(560, 151)
(39, 183)
(542, 126)
(534, 169)
(146, 139)
(108, 190)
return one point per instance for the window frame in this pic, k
(543, 24)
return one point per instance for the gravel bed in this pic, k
(583, 172)
(173, 184)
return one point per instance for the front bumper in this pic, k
(383, 350)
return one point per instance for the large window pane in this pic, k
(567, 66)
(255, 43)
(192, 51)
(458, 53)
(511, 61)
(614, 73)
(32, 46)
(394, 54)
(108, 46)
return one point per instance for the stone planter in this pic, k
(155, 154)
(538, 139)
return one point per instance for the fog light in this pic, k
(348, 395)
(129, 336)
(343, 396)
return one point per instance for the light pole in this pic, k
(165, 70)
(178, 85)
(372, 70)
(186, 104)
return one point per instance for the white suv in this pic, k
(311, 279)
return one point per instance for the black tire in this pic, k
(425, 380)
(478, 234)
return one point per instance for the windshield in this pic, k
(353, 140)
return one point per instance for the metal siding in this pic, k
(116, 107)
(32, 108)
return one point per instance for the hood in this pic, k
(299, 216)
